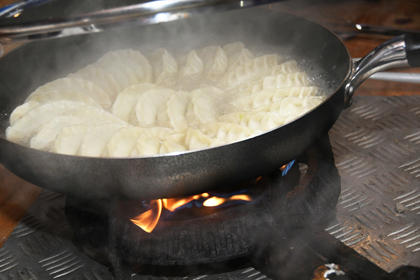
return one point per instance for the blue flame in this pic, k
(287, 168)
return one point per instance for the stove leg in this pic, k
(120, 269)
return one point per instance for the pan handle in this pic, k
(402, 51)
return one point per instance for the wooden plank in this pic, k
(16, 196)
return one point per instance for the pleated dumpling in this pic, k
(173, 143)
(94, 112)
(74, 84)
(291, 108)
(295, 106)
(165, 66)
(203, 105)
(237, 54)
(255, 100)
(97, 138)
(227, 132)
(70, 138)
(196, 140)
(289, 66)
(215, 61)
(148, 105)
(123, 141)
(46, 135)
(26, 126)
(134, 60)
(120, 71)
(300, 92)
(53, 95)
(268, 97)
(251, 70)
(99, 77)
(173, 112)
(255, 120)
(150, 141)
(284, 80)
(127, 99)
(190, 64)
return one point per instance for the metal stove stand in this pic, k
(376, 144)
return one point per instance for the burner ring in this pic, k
(286, 205)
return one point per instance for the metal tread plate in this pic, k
(376, 144)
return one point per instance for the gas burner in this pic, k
(280, 205)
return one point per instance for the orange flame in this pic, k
(148, 220)
(216, 201)
(173, 203)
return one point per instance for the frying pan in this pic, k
(322, 54)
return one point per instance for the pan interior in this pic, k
(319, 51)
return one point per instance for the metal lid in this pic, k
(45, 19)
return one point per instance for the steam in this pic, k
(261, 30)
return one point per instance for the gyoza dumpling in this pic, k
(294, 106)
(290, 108)
(227, 132)
(233, 48)
(123, 75)
(262, 121)
(147, 107)
(287, 80)
(94, 112)
(123, 141)
(53, 95)
(164, 66)
(74, 84)
(47, 134)
(97, 138)
(278, 81)
(173, 143)
(252, 69)
(150, 141)
(24, 128)
(70, 138)
(133, 60)
(99, 77)
(286, 67)
(267, 97)
(300, 92)
(196, 140)
(202, 108)
(237, 54)
(215, 61)
(190, 64)
(173, 112)
(127, 100)
(253, 101)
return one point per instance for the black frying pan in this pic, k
(189, 172)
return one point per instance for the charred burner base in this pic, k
(284, 206)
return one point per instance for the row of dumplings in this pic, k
(128, 105)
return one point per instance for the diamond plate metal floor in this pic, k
(376, 145)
